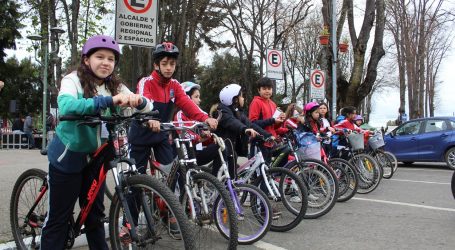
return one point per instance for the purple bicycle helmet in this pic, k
(310, 107)
(101, 42)
(166, 49)
(358, 117)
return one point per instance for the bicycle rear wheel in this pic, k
(348, 179)
(216, 218)
(161, 222)
(28, 208)
(370, 173)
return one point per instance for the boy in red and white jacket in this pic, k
(164, 92)
(264, 113)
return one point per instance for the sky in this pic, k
(385, 104)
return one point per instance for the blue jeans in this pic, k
(31, 140)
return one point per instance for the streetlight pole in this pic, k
(45, 65)
(334, 59)
(46, 61)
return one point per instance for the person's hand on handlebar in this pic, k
(134, 100)
(121, 100)
(251, 132)
(154, 125)
(213, 123)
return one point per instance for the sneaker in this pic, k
(173, 228)
(295, 199)
(311, 197)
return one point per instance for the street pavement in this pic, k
(413, 210)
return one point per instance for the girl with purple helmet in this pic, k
(93, 88)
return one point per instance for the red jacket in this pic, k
(164, 95)
(350, 125)
(263, 109)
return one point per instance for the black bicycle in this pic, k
(158, 207)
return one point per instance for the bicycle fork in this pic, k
(119, 180)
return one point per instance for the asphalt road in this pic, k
(413, 210)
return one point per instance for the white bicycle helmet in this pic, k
(228, 93)
(188, 86)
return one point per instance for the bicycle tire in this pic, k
(321, 183)
(29, 183)
(161, 202)
(386, 163)
(370, 173)
(289, 185)
(255, 216)
(348, 181)
(222, 215)
(393, 159)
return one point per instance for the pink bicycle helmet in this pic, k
(310, 107)
(101, 42)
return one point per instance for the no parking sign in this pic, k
(317, 84)
(135, 22)
(274, 68)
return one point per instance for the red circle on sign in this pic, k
(317, 85)
(275, 53)
(139, 11)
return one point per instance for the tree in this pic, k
(422, 35)
(23, 85)
(225, 69)
(258, 25)
(10, 23)
(361, 79)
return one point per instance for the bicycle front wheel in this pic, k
(393, 159)
(370, 173)
(291, 198)
(160, 222)
(210, 208)
(348, 179)
(28, 208)
(385, 162)
(321, 183)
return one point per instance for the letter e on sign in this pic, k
(274, 58)
(317, 79)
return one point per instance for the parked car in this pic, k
(430, 139)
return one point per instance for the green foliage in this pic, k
(9, 26)
(225, 69)
(22, 84)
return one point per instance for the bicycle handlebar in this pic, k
(181, 126)
(115, 119)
